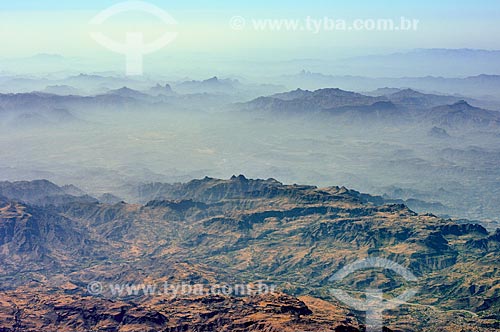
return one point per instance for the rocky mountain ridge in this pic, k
(239, 230)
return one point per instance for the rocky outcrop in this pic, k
(60, 312)
(33, 234)
(43, 193)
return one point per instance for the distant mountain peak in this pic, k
(83, 75)
(217, 81)
(213, 84)
(330, 90)
(408, 92)
(159, 89)
(312, 101)
(125, 89)
(462, 105)
(212, 80)
(127, 92)
(335, 92)
(166, 86)
(42, 192)
(240, 177)
(438, 132)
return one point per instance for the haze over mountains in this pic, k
(440, 61)
(404, 106)
(421, 62)
(130, 180)
(431, 149)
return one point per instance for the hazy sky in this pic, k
(204, 29)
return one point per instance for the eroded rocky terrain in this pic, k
(53, 243)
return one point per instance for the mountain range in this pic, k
(236, 231)
(402, 106)
(483, 86)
